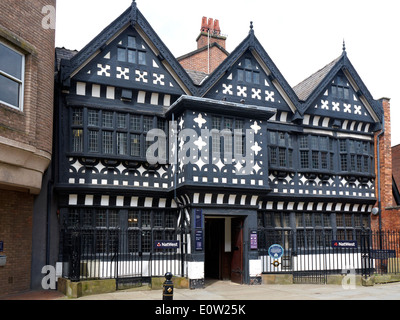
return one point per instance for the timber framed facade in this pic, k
(244, 152)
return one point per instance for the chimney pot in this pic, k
(217, 29)
(204, 24)
(211, 25)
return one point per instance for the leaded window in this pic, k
(129, 50)
(280, 150)
(356, 156)
(316, 152)
(107, 132)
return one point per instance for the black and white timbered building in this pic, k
(206, 167)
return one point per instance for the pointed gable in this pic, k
(337, 92)
(128, 62)
(129, 54)
(249, 75)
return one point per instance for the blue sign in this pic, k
(276, 251)
(1, 246)
(344, 244)
(199, 240)
(166, 244)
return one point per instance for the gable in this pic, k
(128, 62)
(246, 81)
(339, 100)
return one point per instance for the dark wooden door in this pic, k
(237, 251)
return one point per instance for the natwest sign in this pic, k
(166, 244)
(344, 244)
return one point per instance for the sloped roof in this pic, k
(63, 53)
(305, 88)
(197, 76)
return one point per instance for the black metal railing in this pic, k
(311, 255)
(116, 254)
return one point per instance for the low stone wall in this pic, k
(90, 287)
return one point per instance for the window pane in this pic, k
(249, 76)
(133, 219)
(304, 159)
(121, 54)
(256, 78)
(93, 118)
(10, 62)
(132, 56)
(142, 58)
(131, 42)
(93, 141)
(135, 145)
(240, 75)
(122, 146)
(121, 120)
(108, 142)
(77, 140)
(9, 91)
(77, 117)
(147, 123)
(107, 119)
(135, 123)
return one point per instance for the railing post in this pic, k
(168, 287)
(75, 260)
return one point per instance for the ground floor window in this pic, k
(309, 230)
(104, 230)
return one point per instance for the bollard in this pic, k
(168, 287)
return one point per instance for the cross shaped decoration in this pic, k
(104, 71)
(200, 120)
(123, 73)
(269, 96)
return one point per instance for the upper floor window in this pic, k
(340, 88)
(232, 132)
(356, 156)
(129, 51)
(280, 149)
(247, 72)
(112, 133)
(12, 68)
(316, 152)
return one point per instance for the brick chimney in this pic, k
(206, 58)
(212, 26)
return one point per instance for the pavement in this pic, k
(226, 290)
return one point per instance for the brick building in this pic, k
(27, 39)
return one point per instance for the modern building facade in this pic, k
(206, 165)
(26, 117)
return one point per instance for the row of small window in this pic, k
(122, 219)
(109, 242)
(112, 133)
(318, 152)
(312, 220)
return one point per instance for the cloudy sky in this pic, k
(300, 36)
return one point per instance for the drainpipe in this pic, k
(379, 171)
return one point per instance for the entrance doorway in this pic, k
(224, 248)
